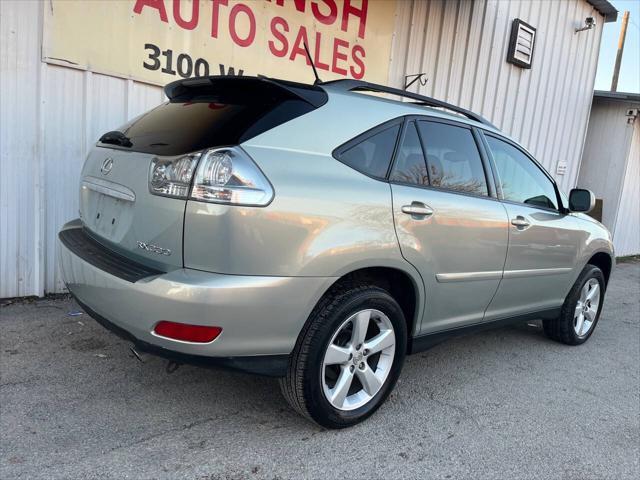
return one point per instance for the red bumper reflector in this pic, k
(186, 332)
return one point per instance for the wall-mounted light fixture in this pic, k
(589, 23)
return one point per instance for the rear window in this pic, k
(372, 155)
(209, 117)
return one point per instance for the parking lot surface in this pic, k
(506, 404)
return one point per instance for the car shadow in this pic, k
(235, 397)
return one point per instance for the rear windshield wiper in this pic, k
(116, 138)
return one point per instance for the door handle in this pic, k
(520, 222)
(417, 209)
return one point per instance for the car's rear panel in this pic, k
(118, 210)
(117, 207)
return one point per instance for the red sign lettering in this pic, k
(283, 40)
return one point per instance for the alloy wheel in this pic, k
(587, 307)
(358, 359)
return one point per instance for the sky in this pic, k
(629, 80)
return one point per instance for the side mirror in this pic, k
(581, 200)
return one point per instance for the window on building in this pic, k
(373, 154)
(453, 159)
(410, 166)
(521, 179)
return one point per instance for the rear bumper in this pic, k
(261, 317)
(268, 365)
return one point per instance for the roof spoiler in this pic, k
(184, 90)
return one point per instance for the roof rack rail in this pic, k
(358, 85)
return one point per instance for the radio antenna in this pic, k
(315, 72)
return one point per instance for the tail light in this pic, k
(221, 175)
(171, 177)
(228, 175)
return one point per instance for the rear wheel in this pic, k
(581, 309)
(348, 357)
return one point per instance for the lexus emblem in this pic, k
(107, 165)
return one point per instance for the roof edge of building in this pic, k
(606, 9)
(620, 96)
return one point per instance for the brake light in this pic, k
(228, 175)
(219, 175)
(186, 332)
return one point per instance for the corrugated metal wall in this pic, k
(626, 234)
(51, 115)
(21, 192)
(50, 118)
(79, 107)
(462, 46)
(611, 169)
(608, 137)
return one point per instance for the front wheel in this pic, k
(348, 357)
(581, 309)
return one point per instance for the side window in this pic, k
(373, 154)
(521, 179)
(452, 158)
(410, 166)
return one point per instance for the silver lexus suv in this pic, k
(320, 233)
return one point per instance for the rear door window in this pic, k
(373, 154)
(453, 158)
(410, 165)
(522, 181)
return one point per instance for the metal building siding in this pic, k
(462, 47)
(21, 236)
(50, 117)
(626, 234)
(608, 137)
(611, 169)
(80, 106)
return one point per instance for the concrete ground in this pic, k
(503, 404)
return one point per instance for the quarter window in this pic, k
(521, 179)
(410, 166)
(453, 159)
(373, 154)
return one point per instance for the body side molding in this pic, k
(536, 272)
(468, 276)
(496, 275)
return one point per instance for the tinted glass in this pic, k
(453, 158)
(521, 179)
(373, 155)
(176, 128)
(410, 166)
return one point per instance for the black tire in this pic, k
(303, 387)
(561, 329)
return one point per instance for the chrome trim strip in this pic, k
(109, 188)
(497, 275)
(535, 272)
(468, 276)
